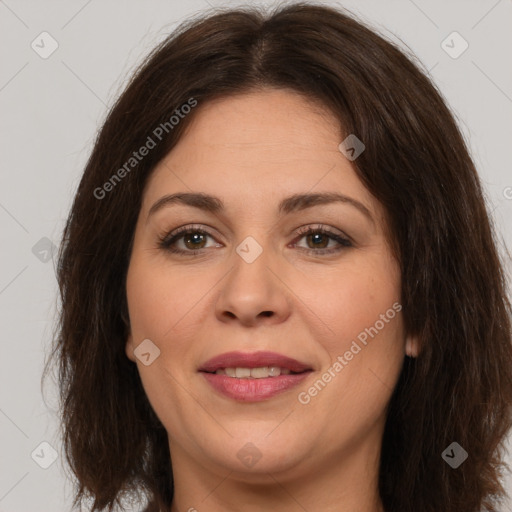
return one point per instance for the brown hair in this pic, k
(416, 164)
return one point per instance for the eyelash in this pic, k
(166, 241)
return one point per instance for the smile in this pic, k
(253, 373)
(253, 377)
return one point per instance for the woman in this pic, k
(280, 286)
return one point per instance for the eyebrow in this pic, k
(294, 203)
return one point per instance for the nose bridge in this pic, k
(251, 274)
(251, 289)
(250, 250)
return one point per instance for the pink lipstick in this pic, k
(253, 377)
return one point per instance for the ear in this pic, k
(129, 348)
(412, 346)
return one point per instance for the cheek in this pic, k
(159, 297)
(166, 305)
(147, 297)
(352, 300)
(363, 347)
(158, 312)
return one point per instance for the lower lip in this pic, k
(253, 390)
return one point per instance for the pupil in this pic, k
(195, 237)
(317, 237)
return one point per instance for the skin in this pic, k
(253, 150)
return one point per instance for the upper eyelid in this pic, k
(299, 231)
(302, 231)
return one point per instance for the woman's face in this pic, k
(248, 287)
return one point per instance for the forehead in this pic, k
(272, 109)
(259, 146)
(266, 124)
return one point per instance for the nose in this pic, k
(253, 292)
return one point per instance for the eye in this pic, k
(193, 240)
(319, 237)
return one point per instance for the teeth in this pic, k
(253, 373)
(260, 373)
(242, 373)
(274, 371)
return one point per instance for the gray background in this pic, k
(51, 109)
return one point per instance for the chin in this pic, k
(253, 456)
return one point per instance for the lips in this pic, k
(253, 377)
(253, 360)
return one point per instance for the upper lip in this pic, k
(252, 360)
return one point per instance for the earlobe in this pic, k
(412, 346)
(129, 348)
